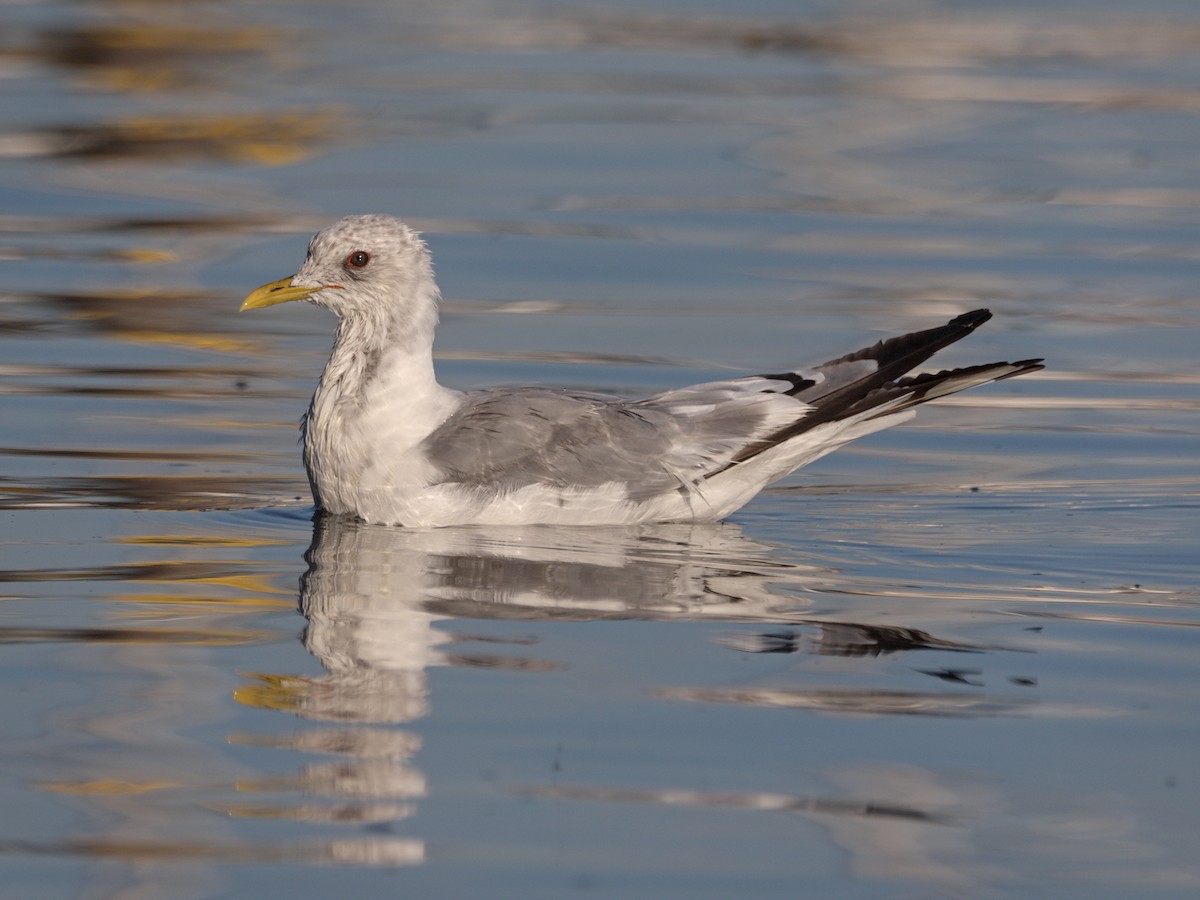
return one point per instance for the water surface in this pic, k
(956, 659)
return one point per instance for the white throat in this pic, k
(377, 399)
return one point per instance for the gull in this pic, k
(384, 442)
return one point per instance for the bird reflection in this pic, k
(384, 605)
(380, 603)
(845, 639)
(372, 596)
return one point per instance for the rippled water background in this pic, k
(957, 659)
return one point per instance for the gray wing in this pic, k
(506, 439)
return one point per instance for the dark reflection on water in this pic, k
(846, 639)
(177, 492)
(28, 225)
(147, 55)
(169, 571)
(123, 635)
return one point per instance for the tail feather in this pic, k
(918, 389)
(847, 389)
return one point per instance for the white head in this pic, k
(362, 267)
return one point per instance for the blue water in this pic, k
(953, 660)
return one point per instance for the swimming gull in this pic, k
(385, 442)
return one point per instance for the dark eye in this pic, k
(358, 259)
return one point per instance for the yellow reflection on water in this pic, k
(265, 138)
(178, 604)
(199, 540)
(107, 786)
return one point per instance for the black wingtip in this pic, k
(972, 319)
(888, 384)
(900, 354)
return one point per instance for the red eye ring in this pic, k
(358, 259)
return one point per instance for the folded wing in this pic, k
(507, 439)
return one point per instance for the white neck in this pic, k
(378, 395)
(377, 337)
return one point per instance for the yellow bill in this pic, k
(280, 291)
